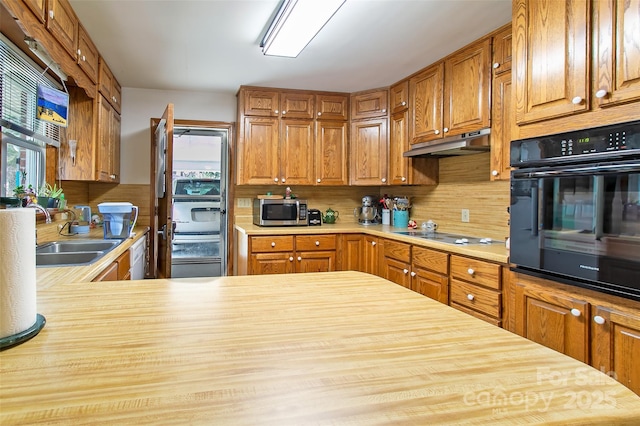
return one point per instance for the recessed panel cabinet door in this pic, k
(316, 261)
(62, 22)
(296, 152)
(553, 320)
(369, 152)
(551, 58)
(258, 163)
(271, 263)
(617, 51)
(331, 153)
(425, 103)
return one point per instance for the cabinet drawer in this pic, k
(476, 271)
(431, 260)
(478, 298)
(398, 251)
(490, 320)
(315, 242)
(272, 244)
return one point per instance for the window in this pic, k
(24, 137)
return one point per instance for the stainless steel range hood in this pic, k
(464, 144)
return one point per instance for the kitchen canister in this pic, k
(386, 217)
(400, 218)
(19, 320)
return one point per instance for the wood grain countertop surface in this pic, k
(495, 252)
(49, 276)
(322, 348)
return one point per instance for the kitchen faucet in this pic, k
(43, 210)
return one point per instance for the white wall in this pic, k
(140, 105)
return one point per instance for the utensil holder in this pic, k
(400, 218)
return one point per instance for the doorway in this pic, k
(199, 193)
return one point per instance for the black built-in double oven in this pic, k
(575, 208)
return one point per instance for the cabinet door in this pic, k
(271, 263)
(398, 144)
(83, 168)
(467, 90)
(258, 151)
(331, 153)
(110, 273)
(38, 7)
(371, 259)
(368, 152)
(105, 80)
(502, 48)
(370, 104)
(553, 319)
(551, 58)
(114, 173)
(399, 96)
(87, 54)
(397, 271)
(425, 104)
(332, 107)
(351, 249)
(501, 128)
(62, 23)
(296, 152)
(316, 261)
(430, 284)
(616, 345)
(261, 103)
(104, 143)
(617, 52)
(297, 105)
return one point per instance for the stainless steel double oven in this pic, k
(575, 208)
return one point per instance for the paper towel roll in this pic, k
(18, 307)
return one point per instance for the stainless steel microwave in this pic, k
(279, 212)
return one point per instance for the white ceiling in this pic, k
(213, 45)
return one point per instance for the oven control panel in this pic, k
(601, 142)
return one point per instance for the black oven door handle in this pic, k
(535, 196)
(633, 167)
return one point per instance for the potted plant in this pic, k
(25, 195)
(49, 196)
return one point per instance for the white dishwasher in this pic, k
(138, 258)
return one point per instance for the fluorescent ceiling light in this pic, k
(296, 24)
(44, 56)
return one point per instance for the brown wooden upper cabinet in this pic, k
(261, 103)
(332, 107)
(62, 23)
(399, 94)
(554, 63)
(297, 105)
(368, 152)
(502, 48)
(369, 104)
(109, 86)
(38, 7)
(452, 96)
(88, 56)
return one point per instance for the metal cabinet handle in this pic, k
(598, 319)
(575, 312)
(470, 296)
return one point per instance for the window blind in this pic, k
(19, 79)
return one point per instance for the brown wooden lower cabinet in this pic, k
(396, 264)
(285, 254)
(119, 270)
(350, 252)
(475, 287)
(370, 255)
(596, 328)
(430, 273)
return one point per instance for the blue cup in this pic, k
(400, 218)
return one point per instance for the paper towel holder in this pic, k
(23, 336)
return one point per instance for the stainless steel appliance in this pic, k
(368, 213)
(279, 212)
(196, 236)
(575, 208)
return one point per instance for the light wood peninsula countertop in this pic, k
(495, 252)
(321, 348)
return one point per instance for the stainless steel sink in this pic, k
(73, 253)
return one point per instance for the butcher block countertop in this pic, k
(495, 252)
(322, 348)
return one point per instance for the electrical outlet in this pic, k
(465, 215)
(244, 202)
